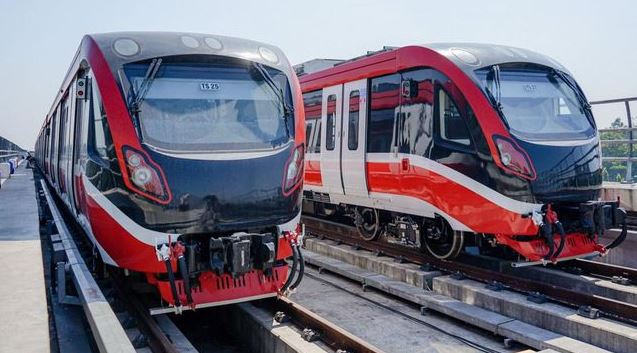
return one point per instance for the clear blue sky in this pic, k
(596, 40)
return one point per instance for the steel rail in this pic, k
(157, 340)
(605, 269)
(335, 337)
(563, 294)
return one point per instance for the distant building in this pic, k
(8, 145)
(315, 65)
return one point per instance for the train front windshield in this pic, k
(538, 103)
(227, 105)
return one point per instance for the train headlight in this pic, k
(293, 170)
(142, 176)
(126, 47)
(146, 178)
(506, 159)
(513, 158)
(268, 55)
(134, 160)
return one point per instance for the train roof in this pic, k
(468, 57)
(120, 48)
(471, 56)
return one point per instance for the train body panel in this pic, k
(460, 141)
(181, 156)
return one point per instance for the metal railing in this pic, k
(5, 155)
(629, 129)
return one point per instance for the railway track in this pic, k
(561, 293)
(154, 338)
(71, 233)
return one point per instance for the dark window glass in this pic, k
(308, 133)
(330, 127)
(100, 142)
(352, 121)
(385, 99)
(312, 103)
(453, 128)
(537, 103)
(415, 127)
(220, 105)
(317, 139)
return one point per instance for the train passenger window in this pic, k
(100, 135)
(452, 125)
(312, 102)
(330, 127)
(384, 105)
(317, 138)
(308, 133)
(352, 121)
(415, 128)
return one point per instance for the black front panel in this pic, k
(565, 173)
(208, 196)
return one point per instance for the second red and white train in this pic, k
(450, 146)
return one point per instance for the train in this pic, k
(181, 157)
(455, 148)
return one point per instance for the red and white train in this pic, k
(181, 157)
(451, 146)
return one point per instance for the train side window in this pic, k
(317, 138)
(312, 102)
(100, 141)
(308, 133)
(415, 128)
(330, 123)
(352, 121)
(453, 128)
(384, 106)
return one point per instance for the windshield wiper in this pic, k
(495, 99)
(573, 86)
(287, 110)
(145, 85)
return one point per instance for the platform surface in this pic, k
(24, 325)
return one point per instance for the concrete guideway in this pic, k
(107, 331)
(25, 324)
(505, 313)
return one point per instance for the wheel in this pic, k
(441, 241)
(367, 223)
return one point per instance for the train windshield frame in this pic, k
(194, 104)
(538, 103)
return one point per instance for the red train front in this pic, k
(452, 147)
(181, 155)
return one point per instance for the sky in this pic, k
(595, 40)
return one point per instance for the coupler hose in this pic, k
(620, 238)
(299, 277)
(163, 254)
(547, 232)
(183, 269)
(560, 229)
(171, 279)
(295, 261)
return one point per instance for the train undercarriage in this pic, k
(575, 236)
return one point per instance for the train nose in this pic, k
(570, 172)
(227, 195)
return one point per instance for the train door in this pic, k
(69, 138)
(353, 142)
(331, 139)
(82, 109)
(54, 146)
(61, 171)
